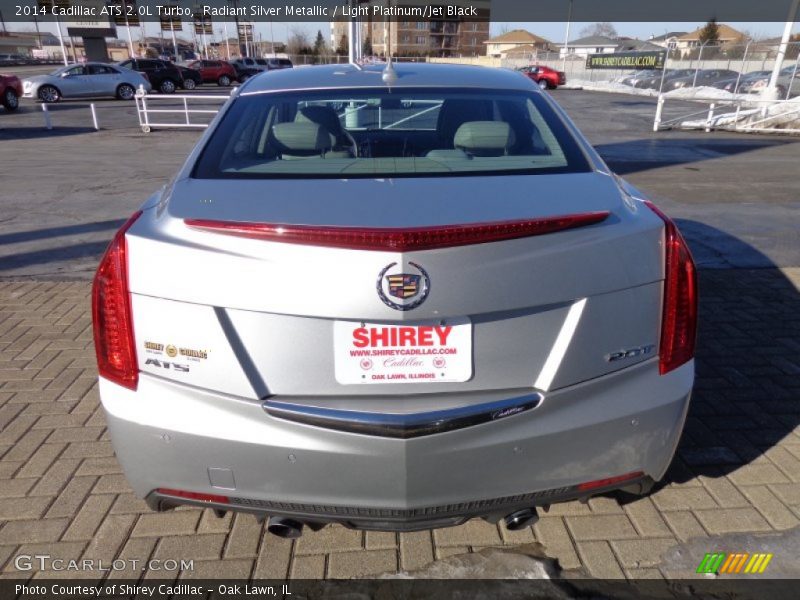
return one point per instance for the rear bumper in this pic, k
(168, 435)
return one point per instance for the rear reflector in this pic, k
(601, 483)
(679, 319)
(194, 495)
(111, 314)
(421, 238)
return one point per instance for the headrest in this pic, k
(490, 138)
(321, 115)
(302, 137)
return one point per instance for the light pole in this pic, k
(227, 42)
(60, 35)
(772, 88)
(128, 26)
(566, 38)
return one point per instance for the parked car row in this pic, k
(788, 84)
(121, 80)
(20, 60)
(724, 79)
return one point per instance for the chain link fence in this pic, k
(731, 62)
(744, 64)
(740, 62)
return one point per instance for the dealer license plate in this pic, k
(424, 352)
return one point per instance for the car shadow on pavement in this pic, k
(51, 255)
(746, 399)
(652, 153)
(78, 103)
(41, 132)
(49, 232)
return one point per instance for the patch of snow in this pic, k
(763, 116)
(613, 87)
(522, 562)
(754, 111)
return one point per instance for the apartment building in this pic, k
(402, 36)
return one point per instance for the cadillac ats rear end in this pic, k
(394, 303)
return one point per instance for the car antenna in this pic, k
(389, 75)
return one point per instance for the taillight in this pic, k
(679, 319)
(417, 238)
(600, 483)
(111, 314)
(194, 495)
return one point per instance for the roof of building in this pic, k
(517, 36)
(628, 45)
(369, 76)
(523, 49)
(594, 40)
(725, 32)
(666, 36)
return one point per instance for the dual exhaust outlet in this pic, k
(292, 529)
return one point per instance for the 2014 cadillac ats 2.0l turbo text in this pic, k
(394, 301)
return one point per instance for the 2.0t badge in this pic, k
(403, 291)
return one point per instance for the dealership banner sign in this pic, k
(628, 60)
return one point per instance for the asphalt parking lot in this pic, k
(736, 477)
(743, 186)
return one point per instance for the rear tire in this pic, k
(543, 85)
(243, 78)
(189, 84)
(224, 81)
(167, 87)
(126, 92)
(49, 94)
(10, 100)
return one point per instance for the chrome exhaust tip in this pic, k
(521, 519)
(285, 528)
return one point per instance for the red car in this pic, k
(10, 91)
(545, 77)
(215, 71)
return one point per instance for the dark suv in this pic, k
(164, 76)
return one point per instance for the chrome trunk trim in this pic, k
(402, 425)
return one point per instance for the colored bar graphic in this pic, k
(711, 562)
(734, 563)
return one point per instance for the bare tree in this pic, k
(299, 42)
(603, 29)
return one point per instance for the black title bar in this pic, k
(688, 11)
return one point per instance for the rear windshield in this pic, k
(389, 133)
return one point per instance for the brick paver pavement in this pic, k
(62, 492)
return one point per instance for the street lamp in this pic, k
(566, 38)
(772, 88)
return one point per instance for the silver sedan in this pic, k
(86, 80)
(394, 299)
